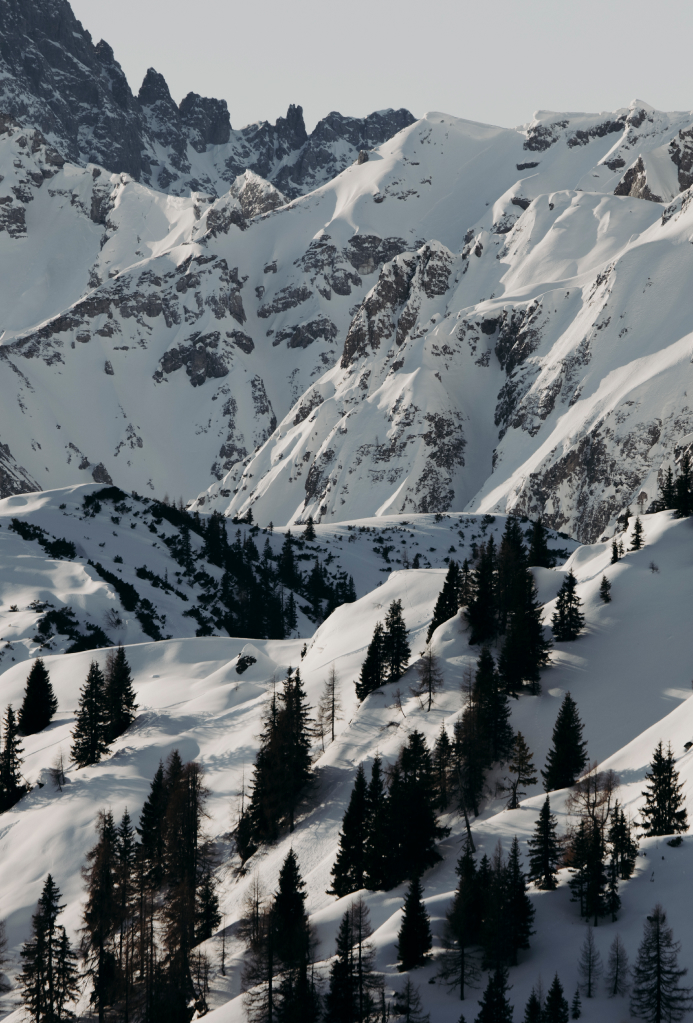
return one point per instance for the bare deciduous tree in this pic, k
(429, 678)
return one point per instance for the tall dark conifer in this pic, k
(119, 695)
(539, 553)
(447, 603)
(373, 671)
(49, 976)
(349, 869)
(376, 848)
(664, 811)
(568, 754)
(396, 649)
(568, 620)
(525, 650)
(494, 1005)
(414, 940)
(90, 735)
(556, 1006)
(482, 610)
(519, 911)
(657, 995)
(459, 964)
(545, 850)
(101, 914)
(11, 786)
(40, 702)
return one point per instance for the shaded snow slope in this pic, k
(629, 674)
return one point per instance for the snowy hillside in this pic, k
(629, 674)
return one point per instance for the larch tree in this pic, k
(522, 770)
(590, 966)
(657, 995)
(617, 974)
(429, 678)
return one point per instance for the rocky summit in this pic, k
(387, 315)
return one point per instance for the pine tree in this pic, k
(667, 489)
(555, 1007)
(396, 649)
(40, 702)
(49, 977)
(494, 1005)
(545, 850)
(429, 678)
(590, 964)
(576, 1005)
(309, 531)
(373, 670)
(411, 824)
(657, 996)
(519, 911)
(407, 1005)
(568, 754)
(414, 940)
(614, 552)
(465, 592)
(442, 759)
(589, 881)
(533, 1013)
(348, 872)
(11, 787)
(568, 620)
(605, 590)
(339, 1001)
(291, 945)
(638, 538)
(89, 738)
(119, 695)
(664, 810)
(522, 770)
(294, 742)
(376, 847)
(539, 553)
(617, 972)
(447, 603)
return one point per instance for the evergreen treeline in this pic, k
(282, 768)
(677, 491)
(106, 708)
(388, 653)
(504, 606)
(390, 828)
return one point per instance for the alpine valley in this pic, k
(345, 556)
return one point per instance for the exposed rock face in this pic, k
(634, 183)
(53, 77)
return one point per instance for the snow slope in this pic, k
(629, 674)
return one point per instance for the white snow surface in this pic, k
(629, 674)
(472, 318)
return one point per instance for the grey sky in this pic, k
(490, 60)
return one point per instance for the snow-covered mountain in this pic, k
(473, 317)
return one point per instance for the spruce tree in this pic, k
(568, 754)
(466, 585)
(482, 610)
(576, 1005)
(605, 590)
(119, 695)
(411, 822)
(447, 603)
(309, 531)
(522, 770)
(339, 1001)
(49, 976)
(617, 970)
(290, 615)
(533, 1010)
(525, 650)
(376, 846)
(348, 872)
(442, 760)
(40, 702)
(539, 553)
(589, 881)
(396, 649)
(492, 710)
(373, 669)
(414, 940)
(664, 812)
(614, 552)
(555, 1007)
(568, 620)
(657, 995)
(407, 1005)
(624, 848)
(151, 829)
(590, 964)
(494, 1005)
(291, 945)
(90, 735)
(545, 850)
(11, 787)
(612, 902)
(100, 915)
(519, 911)
(638, 539)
